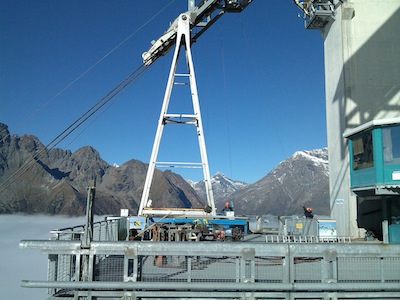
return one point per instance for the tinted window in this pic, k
(363, 156)
(391, 145)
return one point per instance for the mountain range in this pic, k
(302, 179)
(36, 180)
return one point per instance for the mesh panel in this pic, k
(66, 267)
(221, 269)
(269, 269)
(105, 231)
(185, 268)
(307, 269)
(356, 269)
(109, 268)
(391, 267)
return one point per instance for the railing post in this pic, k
(88, 233)
(77, 275)
(328, 267)
(129, 296)
(290, 260)
(131, 254)
(189, 269)
(248, 259)
(382, 269)
(286, 265)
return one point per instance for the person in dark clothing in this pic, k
(227, 207)
(308, 214)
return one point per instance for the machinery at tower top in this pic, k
(201, 17)
(317, 13)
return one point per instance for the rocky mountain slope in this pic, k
(55, 181)
(299, 180)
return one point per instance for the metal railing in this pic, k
(218, 270)
(106, 230)
(305, 239)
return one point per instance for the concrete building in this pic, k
(362, 80)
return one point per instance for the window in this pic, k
(363, 156)
(391, 145)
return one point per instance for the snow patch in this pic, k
(317, 156)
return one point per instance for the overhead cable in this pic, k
(128, 80)
(90, 68)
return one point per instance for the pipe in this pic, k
(205, 286)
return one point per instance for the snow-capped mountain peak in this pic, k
(223, 187)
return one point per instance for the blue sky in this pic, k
(259, 73)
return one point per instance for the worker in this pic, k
(308, 214)
(227, 207)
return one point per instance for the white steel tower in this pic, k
(182, 40)
(181, 34)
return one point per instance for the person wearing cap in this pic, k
(308, 214)
(227, 207)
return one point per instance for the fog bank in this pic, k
(17, 264)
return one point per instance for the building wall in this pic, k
(362, 80)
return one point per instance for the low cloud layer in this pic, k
(18, 264)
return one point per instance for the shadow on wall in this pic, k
(372, 79)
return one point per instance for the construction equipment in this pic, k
(199, 18)
(317, 13)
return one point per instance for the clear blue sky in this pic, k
(260, 79)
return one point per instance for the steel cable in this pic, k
(127, 81)
(97, 106)
(91, 67)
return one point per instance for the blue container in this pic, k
(394, 234)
